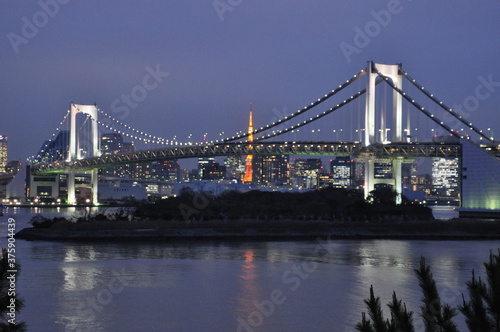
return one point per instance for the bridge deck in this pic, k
(393, 150)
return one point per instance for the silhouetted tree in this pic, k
(384, 195)
(437, 316)
(482, 311)
(401, 319)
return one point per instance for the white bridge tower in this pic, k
(75, 152)
(371, 128)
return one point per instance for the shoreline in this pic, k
(435, 230)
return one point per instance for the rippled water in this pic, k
(229, 286)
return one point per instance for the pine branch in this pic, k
(375, 312)
(365, 325)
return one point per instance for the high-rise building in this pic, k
(3, 153)
(234, 168)
(128, 147)
(270, 170)
(210, 169)
(359, 173)
(57, 149)
(111, 143)
(304, 173)
(342, 169)
(166, 170)
(445, 177)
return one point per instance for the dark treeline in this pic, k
(336, 205)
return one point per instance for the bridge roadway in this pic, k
(353, 149)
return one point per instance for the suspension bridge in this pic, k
(383, 131)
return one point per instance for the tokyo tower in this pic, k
(247, 178)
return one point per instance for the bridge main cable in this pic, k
(417, 105)
(300, 111)
(318, 116)
(443, 106)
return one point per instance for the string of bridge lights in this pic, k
(418, 106)
(147, 138)
(443, 106)
(298, 112)
(312, 119)
(33, 159)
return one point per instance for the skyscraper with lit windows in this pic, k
(3, 153)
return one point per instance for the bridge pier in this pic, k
(71, 187)
(371, 128)
(94, 177)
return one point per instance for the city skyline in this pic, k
(200, 78)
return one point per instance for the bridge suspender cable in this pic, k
(34, 159)
(417, 105)
(317, 117)
(443, 106)
(300, 111)
(147, 137)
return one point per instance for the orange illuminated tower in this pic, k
(247, 178)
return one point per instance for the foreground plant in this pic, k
(481, 311)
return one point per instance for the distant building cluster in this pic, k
(163, 178)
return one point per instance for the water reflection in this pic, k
(80, 278)
(220, 282)
(251, 289)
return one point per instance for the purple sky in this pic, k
(279, 55)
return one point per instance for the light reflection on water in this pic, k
(209, 286)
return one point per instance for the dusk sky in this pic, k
(221, 56)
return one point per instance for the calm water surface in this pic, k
(229, 286)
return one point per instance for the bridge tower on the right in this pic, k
(387, 171)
